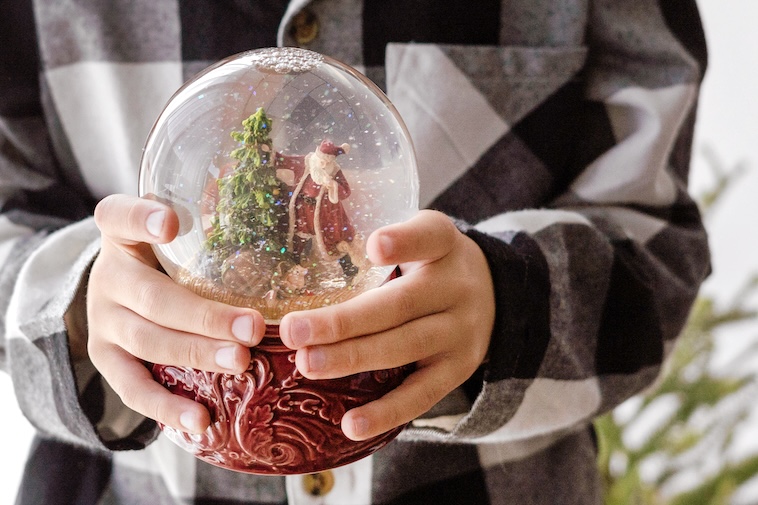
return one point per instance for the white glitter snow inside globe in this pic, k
(280, 162)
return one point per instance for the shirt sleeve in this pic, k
(48, 240)
(594, 281)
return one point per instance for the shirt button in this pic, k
(304, 27)
(318, 484)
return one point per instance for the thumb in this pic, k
(129, 220)
(426, 237)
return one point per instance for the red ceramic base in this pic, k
(272, 420)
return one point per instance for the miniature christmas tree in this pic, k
(248, 233)
(250, 212)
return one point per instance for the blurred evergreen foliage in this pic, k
(674, 445)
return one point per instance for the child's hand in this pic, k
(438, 314)
(136, 313)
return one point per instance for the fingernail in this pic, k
(242, 328)
(316, 360)
(300, 332)
(191, 421)
(225, 357)
(154, 223)
(360, 426)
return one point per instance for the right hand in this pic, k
(138, 315)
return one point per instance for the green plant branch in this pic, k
(710, 409)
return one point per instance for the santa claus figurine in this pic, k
(316, 214)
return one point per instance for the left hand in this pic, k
(439, 314)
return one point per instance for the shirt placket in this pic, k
(346, 485)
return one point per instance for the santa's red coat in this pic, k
(334, 222)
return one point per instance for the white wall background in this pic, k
(728, 127)
(728, 123)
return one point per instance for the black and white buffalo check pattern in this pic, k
(556, 133)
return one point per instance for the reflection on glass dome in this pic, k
(280, 163)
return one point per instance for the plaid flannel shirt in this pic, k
(557, 134)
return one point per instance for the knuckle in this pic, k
(405, 303)
(470, 360)
(353, 358)
(116, 215)
(468, 365)
(150, 406)
(130, 396)
(429, 396)
(102, 210)
(447, 226)
(149, 299)
(395, 417)
(135, 217)
(430, 389)
(94, 350)
(466, 286)
(444, 227)
(193, 354)
(420, 343)
(339, 326)
(208, 320)
(134, 340)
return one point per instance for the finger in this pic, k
(376, 310)
(156, 297)
(135, 385)
(129, 220)
(411, 342)
(426, 237)
(418, 393)
(149, 342)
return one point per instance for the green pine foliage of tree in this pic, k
(706, 408)
(251, 209)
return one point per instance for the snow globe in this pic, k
(279, 162)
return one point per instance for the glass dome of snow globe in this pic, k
(279, 162)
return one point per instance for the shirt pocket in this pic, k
(458, 100)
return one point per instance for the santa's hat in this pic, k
(328, 147)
